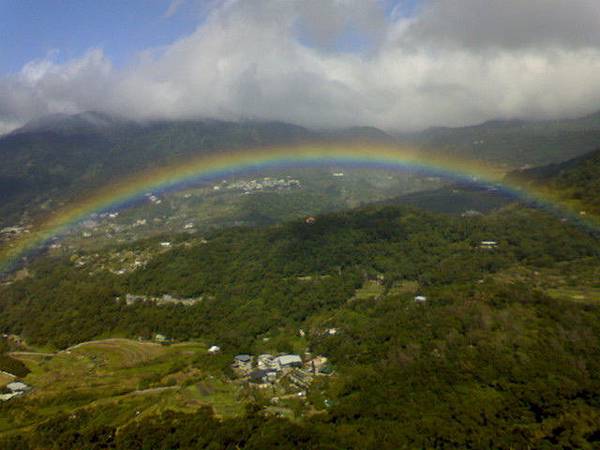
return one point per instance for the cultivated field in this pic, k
(122, 380)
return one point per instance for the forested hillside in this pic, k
(577, 180)
(514, 143)
(499, 354)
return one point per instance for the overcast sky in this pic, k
(397, 65)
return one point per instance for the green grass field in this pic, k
(578, 294)
(370, 289)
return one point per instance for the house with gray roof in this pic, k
(288, 361)
(243, 358)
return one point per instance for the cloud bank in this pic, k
(332, 63)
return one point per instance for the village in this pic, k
(275, 377)
(282, 374)
(165, 299)
(266, 183)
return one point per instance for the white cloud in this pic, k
(509, 24)
(455, 62)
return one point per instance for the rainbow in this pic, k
(222, 164)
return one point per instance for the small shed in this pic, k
(214, 349)
(488, 244)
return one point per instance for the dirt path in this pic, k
(153, 390)
(108, 341)
(99, 341)
(81, 344)
(31, 354)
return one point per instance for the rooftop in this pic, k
(17, 386)
(286, 360)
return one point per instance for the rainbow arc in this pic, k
(223, 164)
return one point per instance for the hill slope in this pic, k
(514, 143)
(493, 358)
(576, 180)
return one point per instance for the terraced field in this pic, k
(122, 380)
(118, 353)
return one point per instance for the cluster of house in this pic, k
(166, 299)
(9, 233)
(153, 198)
(14, 389)
(258, 185)
(471, 213)
(266, 370)
(16, 230)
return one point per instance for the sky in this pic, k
(400, 65)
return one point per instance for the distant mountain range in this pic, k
(514, 143)
(60, 156)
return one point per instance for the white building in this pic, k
(17, 386)
(488, 244)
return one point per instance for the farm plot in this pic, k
(127, 379)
